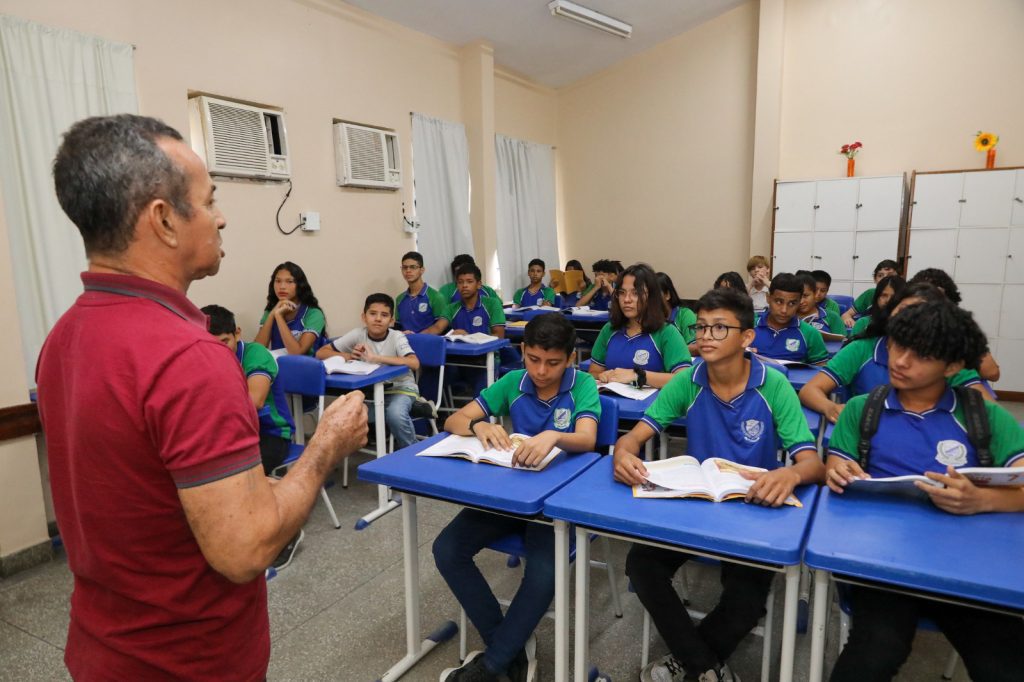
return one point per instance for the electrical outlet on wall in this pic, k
(310, 221)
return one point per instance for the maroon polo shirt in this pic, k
(138, 400)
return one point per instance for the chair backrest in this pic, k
(608, 425)
(302, 375)
(430, 349)
(845, 302)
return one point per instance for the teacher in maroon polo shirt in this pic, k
(153, 441)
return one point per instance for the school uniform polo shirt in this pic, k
(746, 429)
(797, 341)
(306, 319)
(860, 325)
(862, 303)
(600, 301)
(826, 321)
(416, 313)
(138, 400)
(486, 314)
(662, 351)
(450, 292)
(684, 318)
(275, 416)
(515, 394)
(908, 443)
(831, 305)
(864, 363)
(543, 296)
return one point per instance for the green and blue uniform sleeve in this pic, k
(831, 306)
(674, 353)
(587, 404)
(492, 304)
(685, 319)
(517, 297)
(860, 325)
(673, 401)
(1007, 444)
(843, 367)
(599, 352)
(834, 322)
(790, 423)
(816, 351)
(846, 434)
(862, 303)
(438, 302)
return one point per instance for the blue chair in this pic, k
(512, 545)
(844, 302)
(302, 376)
(432, 352)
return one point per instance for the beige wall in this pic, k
(655, 155)
(523, 109)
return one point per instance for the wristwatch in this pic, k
(641, 377)
(474, 422)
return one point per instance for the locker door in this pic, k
(1011, 318)
(794, 202)
(1011, 364)
(984, 300)
(931, 249)
(870, 248)
(1018, 201)
(792, 251)
(988, 199)
(833, 253)
(836, 206)
(1015, 258)
(881, 202)
(980, 255)
(936, 200)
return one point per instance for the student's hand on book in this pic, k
(960, 496)
(492, 435)
(458, 332)
(532, 451)
(771, 488)
(622, 375)
(629, 469)
(842, 472)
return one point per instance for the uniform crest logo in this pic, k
(641, 357)
(951, 453)
(562, 417)
(752, 429)
(296, 333)
(478, 320)
(423, 306)
(793, 345)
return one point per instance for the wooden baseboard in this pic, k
(18, 421)
(25, 559)
(1012, 396)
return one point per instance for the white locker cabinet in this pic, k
(1017, 218)
(835, 206)
(1010, 355)
(870, 248)
(936, 201)
(1015, 258)
(981, 255)
(1011, 314)
(794, 207)
(880, 204)
(793, 251)
(988, 199)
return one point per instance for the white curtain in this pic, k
(440, 157)
(49, 78)
(526, 209)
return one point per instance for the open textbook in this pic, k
(566, 282)
(549, 308)
(795, 364)
(715, 479)
(985, 477)
(626, 390)
(586, 311)
(470, 447)
(336, 364)
(475, 337)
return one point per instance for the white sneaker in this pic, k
(665, 669)
(722, 675)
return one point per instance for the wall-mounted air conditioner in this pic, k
(367, 157)
(238, 140)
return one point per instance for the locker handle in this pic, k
(856, 257)
(1018, 200)
(776, 208)
(819, 257)
(858, 205)
(962, 201)
(817, 206)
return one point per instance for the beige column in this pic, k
(767, 122)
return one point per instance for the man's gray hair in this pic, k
(107, 169)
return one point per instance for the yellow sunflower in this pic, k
(985, 141)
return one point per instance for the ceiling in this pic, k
(549, 50)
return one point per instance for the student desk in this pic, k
(913, 546)
(801, 376)
(460, 349)
(513, 314)
(354, 382)
(833, 347)
(484, 486)
(731, 531)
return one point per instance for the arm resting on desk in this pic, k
(439, 327)
(773, 488)
(628, 466)
(961, 496)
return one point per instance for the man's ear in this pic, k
(748, 337)
(159, 218)
(954, 367)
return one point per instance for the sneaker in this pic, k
(288, 553)
(722, 674)
(471, 670)
(423, 409)
(666, 669)
(523, 667)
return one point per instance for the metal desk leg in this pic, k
(415, 649)
(580, 665)
(490, 367)
(384, 505)
(561, 601)
(663, 445)
(818, 625)
(789, 623)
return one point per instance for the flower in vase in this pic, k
(850, 150)
(985, 141)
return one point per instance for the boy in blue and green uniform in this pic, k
(419, 305)
(779, 333)
(922, 429)
(450, 291)
(738, 409)
(598, 296)
(822, 283)
(260, 369)
(536, 293)
(862, 304)
(815, 314)
(557, 406)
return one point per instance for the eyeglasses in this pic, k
(718, 331)
(628, 293)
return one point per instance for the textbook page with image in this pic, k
(470, 447)
(984, 477)
(474, 338)
(565, 282)
(715, 479)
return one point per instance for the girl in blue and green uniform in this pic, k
(292, 319)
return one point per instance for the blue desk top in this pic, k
(773, 536)
(596, 319)
(471, 349)
(631, 409)
(833, 347)
(479, 485)
(351, 382)
(913, 544)
(514, 314)
(801, 376)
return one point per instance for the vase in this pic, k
(849, 167)
(990, 158)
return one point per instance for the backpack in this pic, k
(978, 431)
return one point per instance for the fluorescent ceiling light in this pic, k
(588, 17)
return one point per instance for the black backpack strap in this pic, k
(976, 416)
(873, 407)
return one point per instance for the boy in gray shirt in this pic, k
(377, 342)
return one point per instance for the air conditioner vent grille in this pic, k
(366, 154)
(235, 141)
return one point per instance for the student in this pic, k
(419, 305)
(737, 409)
(637, 345)
(450, 291)
(886, 290)
(276, 423)
(572, 298)
(922, 429)
(822, 283)
(536, 293)
(731, 280)
(864, 362)
(779, 333)
(862, 304)
(378, 343)
(679, 315)
(475, 311)
(760, 276)
(817, 316)
(292, 319)
(599, 294)
(558, 406)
